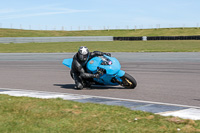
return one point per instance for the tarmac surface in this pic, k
(162, 77)
(167, 82)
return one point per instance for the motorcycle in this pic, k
(110, 71)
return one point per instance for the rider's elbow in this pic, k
(83, 75)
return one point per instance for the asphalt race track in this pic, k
(162, 77)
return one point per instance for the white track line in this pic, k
(121, 99)
(192, 112)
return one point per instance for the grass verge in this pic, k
(138, 32)
(23, 114)
(112, 46)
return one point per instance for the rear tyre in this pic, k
(128, 81)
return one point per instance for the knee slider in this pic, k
(79, 86)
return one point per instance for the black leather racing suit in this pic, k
(78, 70)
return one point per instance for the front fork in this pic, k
(117, 78)
(114, 80)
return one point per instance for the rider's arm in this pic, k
(84, 74)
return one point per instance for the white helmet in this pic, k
(83, 53)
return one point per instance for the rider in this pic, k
(78, 70)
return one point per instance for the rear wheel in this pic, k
(128, 81)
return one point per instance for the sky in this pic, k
(98, 14)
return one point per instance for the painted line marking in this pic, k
(190, 113)
(120, 99)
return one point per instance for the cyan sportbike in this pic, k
(110, 71)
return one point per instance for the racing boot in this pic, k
(86, 85)
(78, 86)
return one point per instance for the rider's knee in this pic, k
(79, 86)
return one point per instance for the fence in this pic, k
(156, 38)
(90, 27)
(174, 38)
(91, 38)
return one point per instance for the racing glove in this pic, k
(96, 75)
(108, 54)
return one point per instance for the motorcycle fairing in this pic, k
(68, 62)
(112, 70)
(95, 62)
(107, 79)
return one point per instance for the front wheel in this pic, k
(128, 81)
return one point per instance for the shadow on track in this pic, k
(93, 87)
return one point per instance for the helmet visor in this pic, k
(83, 57)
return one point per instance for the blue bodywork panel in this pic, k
(112, 69)
(68, 62)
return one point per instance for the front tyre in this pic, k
(128, 81)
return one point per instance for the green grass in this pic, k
(31, 115)
(112, 46)
(141, 32)
(116, 46)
